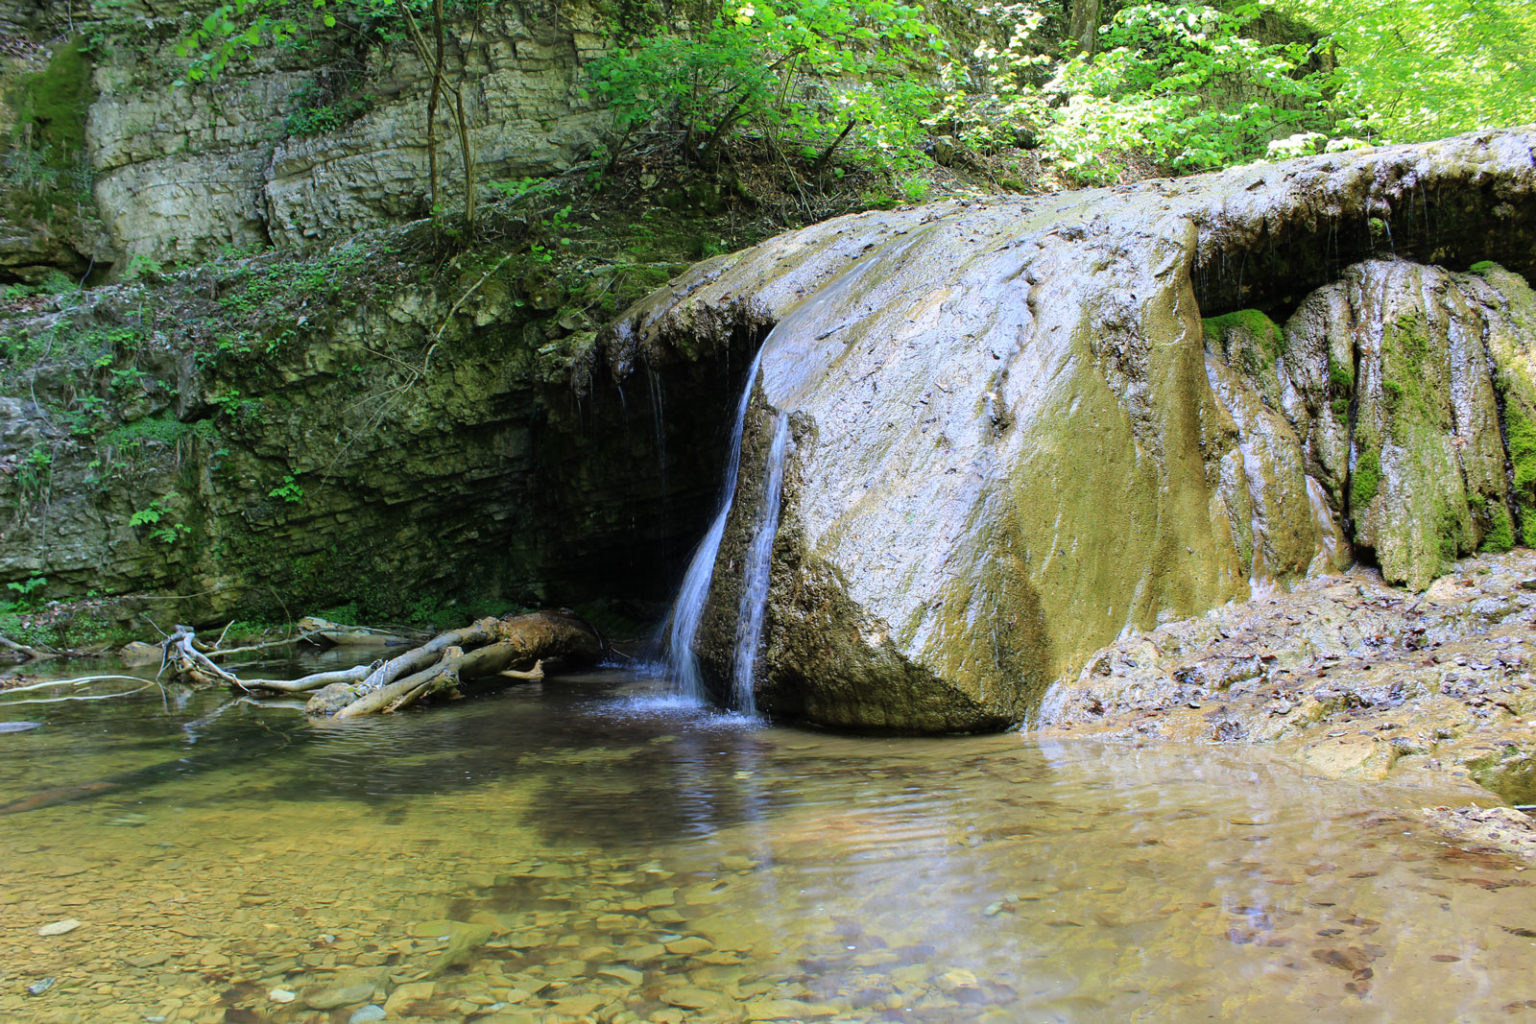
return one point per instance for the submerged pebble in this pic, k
(63, 927)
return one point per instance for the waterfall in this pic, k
(682, 665)
(804, 352)
(754, 588)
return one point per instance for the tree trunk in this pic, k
(513, 647)
(1083, 24)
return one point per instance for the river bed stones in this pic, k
(1346, 674)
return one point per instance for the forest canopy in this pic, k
(1082, 91)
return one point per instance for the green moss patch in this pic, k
(1501, 530)
(1522, 453)
(1248, 338)
(48, 138)
(1366, 482)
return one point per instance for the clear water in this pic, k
(753, 611)
(595, 849)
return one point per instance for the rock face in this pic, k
(179, 456)
(1018, 428)
(286, 148)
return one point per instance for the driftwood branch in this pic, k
(495, 650)
(28, 653)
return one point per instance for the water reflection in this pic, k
(589, 849)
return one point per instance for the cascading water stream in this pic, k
(682, 665)
(754, 590)
(688, 610)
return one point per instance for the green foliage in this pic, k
(289, 490)
(162, 429)
(1414, 71)
(28, 595)
(236, 30)
(1182, 85)
(1185, 85)
(914, 188)
(143, 268)
(54, 282)
(807, 76)
(158, 515)
(312, 111)
(34, 474)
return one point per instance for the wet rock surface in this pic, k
(1020, 426)
(1349, 676)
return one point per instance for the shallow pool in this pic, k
(587, 849)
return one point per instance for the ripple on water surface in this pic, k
(587, 848)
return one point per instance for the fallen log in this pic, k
(337, 634)
(514, 647)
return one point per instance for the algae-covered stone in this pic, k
(1423, 476)
(1014, 434)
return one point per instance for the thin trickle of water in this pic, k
(754, 590)
(659, 426)
(800, 354)
(1260, 584)
(682, 665)
(1327, 530)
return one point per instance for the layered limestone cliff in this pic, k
(291, 147)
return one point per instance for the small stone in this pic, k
(692, 998)
(147, 959)
(282, 995)
(785, 1010)
(364, 1014)
(37, 988)
(63, 927)
(689, 946)
(332, 996)
(642, 953)
(959, 978)
(413, 992)
(627, 975)
(572, 1007)
(659, 898)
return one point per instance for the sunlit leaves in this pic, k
(1430, 68)
(798, 73)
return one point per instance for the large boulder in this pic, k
(1021, 426)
